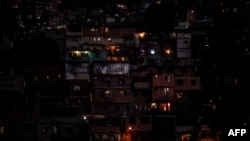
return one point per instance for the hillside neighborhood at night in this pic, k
(124, 70)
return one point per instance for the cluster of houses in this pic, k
(115, 82)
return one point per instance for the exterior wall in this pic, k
(79, 95)
(112, 81)
(128, 31)
(105, 129)
(139, 123)
(162, 80)
(12, 83)
(59, 128)
(18, 126)
(163, 93)
(113, 95)
(56, 34)
(92, 30)
(73, 42)
(73, 39)
(110, 40)
(188, 83)
(47, 76)
(102, 108)
(108, 35)
(184, 71)
(112, 31)
(140, 107)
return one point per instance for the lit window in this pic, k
(153, 106)
(76, 54)
(178, 95)
(235, 10)
(168, 51)
(79, 101)
(236, 81)
(142, 52)
(122, 92)
(44, 130)
(142, 34)
(93, 29)
(165, 91)
(109, 39)
(2, 130)
(163, 107)
(35, 78)
(55, 129)
(158, 2)
(106, 29)
(169, 107)
(129, 128)
(117, 50)
(107, 93)
(223, 10)
(123, 59)
(246, 50)
(186, 137)
(76, 88)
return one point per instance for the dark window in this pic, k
(144, 120)
(155, 88)
(121, 81)
(132, 120)
(193, 82)
(168, 78)
(68, 130)
(128, 108)
(105, 107)
(179, 81)
(184, 70)
(117, 108)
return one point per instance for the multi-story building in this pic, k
(15, 116)
(123, 87)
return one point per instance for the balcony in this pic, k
(105, 129)
(138, 124)
(163, 93)
(141, 85)
(112, 81)
(113, 95)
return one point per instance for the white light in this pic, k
(152, 51)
